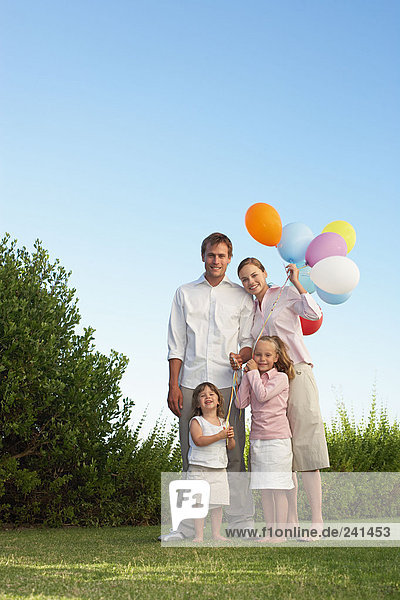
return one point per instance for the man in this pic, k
(210, 318)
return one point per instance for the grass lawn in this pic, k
(126, 562)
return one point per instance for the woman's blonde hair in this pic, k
(284, 364)
(196, 410)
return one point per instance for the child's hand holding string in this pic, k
(250, 366)
(226, 433)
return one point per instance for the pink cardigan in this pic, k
(268, 395)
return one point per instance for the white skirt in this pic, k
(271, 464)
(218, 480)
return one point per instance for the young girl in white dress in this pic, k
(209, 440)
(265, 386)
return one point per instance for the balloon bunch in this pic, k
(322, 260)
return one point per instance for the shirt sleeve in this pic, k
(265, 389)
(303, 305)
(177, 328)
(197, 419)
(242, 399)
(246, 323)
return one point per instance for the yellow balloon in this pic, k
(344, 229)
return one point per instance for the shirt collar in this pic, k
(202, 279)
(271, 373)
(271, 286)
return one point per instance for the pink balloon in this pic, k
(324, 245)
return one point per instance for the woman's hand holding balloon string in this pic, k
(293, 273)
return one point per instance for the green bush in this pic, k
(372, 445)
(137, 475)
(67, 454)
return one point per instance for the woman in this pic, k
(310, 452)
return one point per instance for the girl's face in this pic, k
(265, 356)
(253, 279)
(207, 400)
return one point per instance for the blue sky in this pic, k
(131, 130)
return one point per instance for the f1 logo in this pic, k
(188, 499)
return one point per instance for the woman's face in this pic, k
(253, 280)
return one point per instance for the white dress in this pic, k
(210, 462)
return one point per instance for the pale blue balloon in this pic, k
(332, 298)
(295, 240)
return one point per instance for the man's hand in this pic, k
(236, 361)
(175, 400)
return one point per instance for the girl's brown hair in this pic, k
(284, 363)
(196, 410)
(251, 261)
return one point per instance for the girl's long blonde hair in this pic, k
(284, 364)
(196, 410)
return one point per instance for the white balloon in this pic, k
(335, 274)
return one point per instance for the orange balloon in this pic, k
(264, 224)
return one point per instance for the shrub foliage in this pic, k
(370, 445)
(67, 454)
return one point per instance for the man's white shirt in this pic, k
(206, 324)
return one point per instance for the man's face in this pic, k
(216, 261)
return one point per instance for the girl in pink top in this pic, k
(310, 451)
(265, 386)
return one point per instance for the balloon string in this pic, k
(270, 312)
(233, 395)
